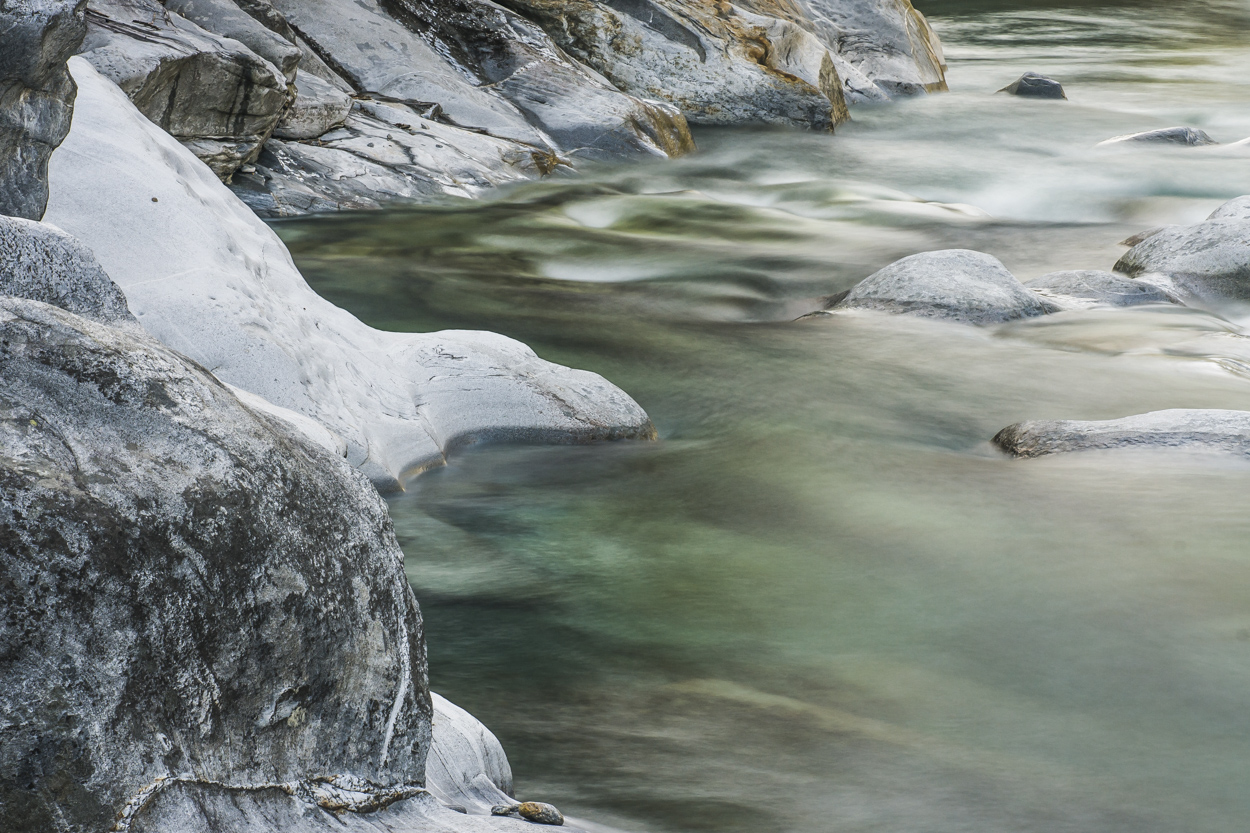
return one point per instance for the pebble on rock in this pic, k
(1185, 136)
(1034, 85)
(534, 811)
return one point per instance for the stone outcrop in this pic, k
(207, 278)
(214, 94)
(36, 96)
(1035, 85)
(954, 285)
(1182, 136)
(318, 108)
(1210, 260)
(1084, 288)
(1224, 432)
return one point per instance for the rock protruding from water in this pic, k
(194, 595)
(1086, 288)
(1034, 85)
(36, 96)
(1182, 136)
(42, 263)
(1226, 432)
(954, 285)
(1210, 260)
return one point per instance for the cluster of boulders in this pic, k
(1204, 263)
(316, 105)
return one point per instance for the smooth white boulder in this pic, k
(205, 276)
(466, 766)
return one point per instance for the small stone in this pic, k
(1033, 85)
(504, 809)
(540, 813)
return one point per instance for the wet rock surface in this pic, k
(1183, 136)
(1084, 288)
(188, 587)
(214, 94)
(955, 285)
(36, 96)
(1035, 85)
(1210, 260)
(1221, 431)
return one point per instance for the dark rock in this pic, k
(1184, 136)
(540, 813)
(213, 94)
(42, 263)
(1225, 432)
(955, 285)
(36, 96)
(188, 586)
(1210, 260)
(1033, 85)
(225, 18)
(1091, 287)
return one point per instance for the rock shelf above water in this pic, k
(1225, 432)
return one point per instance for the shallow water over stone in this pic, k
(822, 601)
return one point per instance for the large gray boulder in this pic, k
(226, 18)
(1225, 432)
(36, 96)
(954, 285)
(204, 275)
(42, 263)
(1084, 288)
(1210, 260)
(214, 94)
(190, 591)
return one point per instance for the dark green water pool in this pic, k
(822, 601)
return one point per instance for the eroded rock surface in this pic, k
(189, 589)
(209, 279)
(1210, 260)
(1089, 287)
(36, 96)
(214, 94)
(955, 285)
(467, 766)
(1220, 431)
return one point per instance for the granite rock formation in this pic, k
(1209, 260)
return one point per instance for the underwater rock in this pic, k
(1210, 260)
(205, 276)
(213, 94)
(1184, 136)
(1220, 431)
(1085, 288)
(1034, 85)
(36, 96)
(954, 285)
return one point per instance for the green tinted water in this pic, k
(822, 601)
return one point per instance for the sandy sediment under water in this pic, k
(823, 601)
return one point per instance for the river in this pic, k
(822, 601)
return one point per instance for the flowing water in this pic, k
(822, 601)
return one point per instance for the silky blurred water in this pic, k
(822, 601)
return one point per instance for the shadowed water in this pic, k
(822, 601)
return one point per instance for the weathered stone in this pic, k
(214, 94)
(1033, 85)
(1226, 432)
(42, 263)
(225, 18)
(467, 766)
(203, 274)
(318, 108)
(1184, 136)
(1086, 288)
(955, 285)
(36, 96)
(188, 587)
(540, 813)
(1210, 260)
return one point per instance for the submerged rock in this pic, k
(1084, 288)
(1210, 260)
(1185, 136)
(204, 275)
(955, 285)
(36, 96)
(1221, 431)
(1034, 85)
(213, 94)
